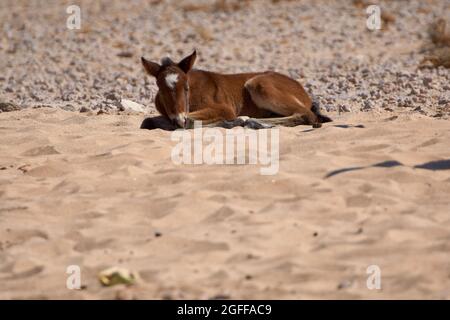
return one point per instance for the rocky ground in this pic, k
(324, 44)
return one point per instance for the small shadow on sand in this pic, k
(435, 165)
(158, 122)
(342, 126)
(346, 126)
(432, 165)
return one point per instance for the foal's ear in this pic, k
(187, 63)
(151, 67)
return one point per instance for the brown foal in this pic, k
(186, 95)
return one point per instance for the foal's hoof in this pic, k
(189, 123)
(229, 124)
(255, 124)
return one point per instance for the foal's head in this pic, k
(173, 86)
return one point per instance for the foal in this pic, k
(186, 95)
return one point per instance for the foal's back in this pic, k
(235, 90)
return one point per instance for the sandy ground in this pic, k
(371, 188)
(113, 197)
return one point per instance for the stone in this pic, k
(128, 105)
(8, 107)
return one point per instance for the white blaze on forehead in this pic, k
(171, 80)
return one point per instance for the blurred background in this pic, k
(324, 44)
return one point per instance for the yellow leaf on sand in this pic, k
(115, 275)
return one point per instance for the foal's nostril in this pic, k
(179, 120)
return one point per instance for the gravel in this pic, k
(324, 45)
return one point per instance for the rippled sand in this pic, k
(96, 191)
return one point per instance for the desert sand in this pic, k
(113, 197)
(94, 190)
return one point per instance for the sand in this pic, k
(91, 189)
(96, 191)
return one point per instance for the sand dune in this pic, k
(96, 191)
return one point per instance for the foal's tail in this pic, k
(315, 108)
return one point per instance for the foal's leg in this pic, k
(213, 118)
(213, 115)
(224, 119)
(296, 119)
(281, 95)
(241, 121)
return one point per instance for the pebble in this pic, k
(131, 106)
(85, 109)
(8, 107)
